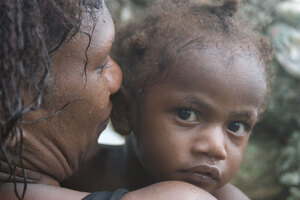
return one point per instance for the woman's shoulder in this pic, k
(175, 190)
(231, 192)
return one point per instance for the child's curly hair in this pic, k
(148, 46)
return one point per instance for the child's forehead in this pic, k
(219, 70)
(223, 51)
(223, 61)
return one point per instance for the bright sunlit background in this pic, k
(109, 136)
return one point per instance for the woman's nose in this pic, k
(210, 141)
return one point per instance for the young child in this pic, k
(194, 86)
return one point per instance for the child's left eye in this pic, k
(238, 128)
(187, 115)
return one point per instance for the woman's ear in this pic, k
(121, 112)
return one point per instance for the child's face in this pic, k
(195, 125)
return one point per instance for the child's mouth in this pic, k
(202, 175)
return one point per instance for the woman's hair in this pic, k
(30, 30)
(147, 47)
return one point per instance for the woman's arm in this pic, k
(40, 191)
(174, 190)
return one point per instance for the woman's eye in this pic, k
(103, 65)
(238, 128)
(187, 115)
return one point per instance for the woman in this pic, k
(56, 81)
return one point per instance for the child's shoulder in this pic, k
(111, 155)
(100, 172)
(230, 192)
(106, 151)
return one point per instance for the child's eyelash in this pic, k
(247, 125)
(186, 108)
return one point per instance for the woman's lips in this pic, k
(102, 126)
(202, 174)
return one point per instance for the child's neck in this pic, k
(114, 167)
(137, 175)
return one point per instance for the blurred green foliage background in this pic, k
(271, 168)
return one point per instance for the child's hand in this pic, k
(174, 190)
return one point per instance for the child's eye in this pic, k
(187, 115)
(238, 128)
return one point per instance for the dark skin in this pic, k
(54, 148)
(159, 191)
(109, 179)
(194, 118)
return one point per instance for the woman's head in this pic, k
(195, 83)
(58, 50)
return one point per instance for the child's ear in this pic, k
(120, 115)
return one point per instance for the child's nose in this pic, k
(210, 141)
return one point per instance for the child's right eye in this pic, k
(187, 115)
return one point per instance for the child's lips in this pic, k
(203, 174)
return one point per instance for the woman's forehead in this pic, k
(95, 35)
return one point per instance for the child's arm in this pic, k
(230, 192)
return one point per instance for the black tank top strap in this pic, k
(106, 195)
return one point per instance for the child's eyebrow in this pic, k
(246, 114)
(199, 102)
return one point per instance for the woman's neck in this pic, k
(42, 162)
(24, 175)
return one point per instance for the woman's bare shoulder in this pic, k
(175, 190)
(230, 192)
(39, 191)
